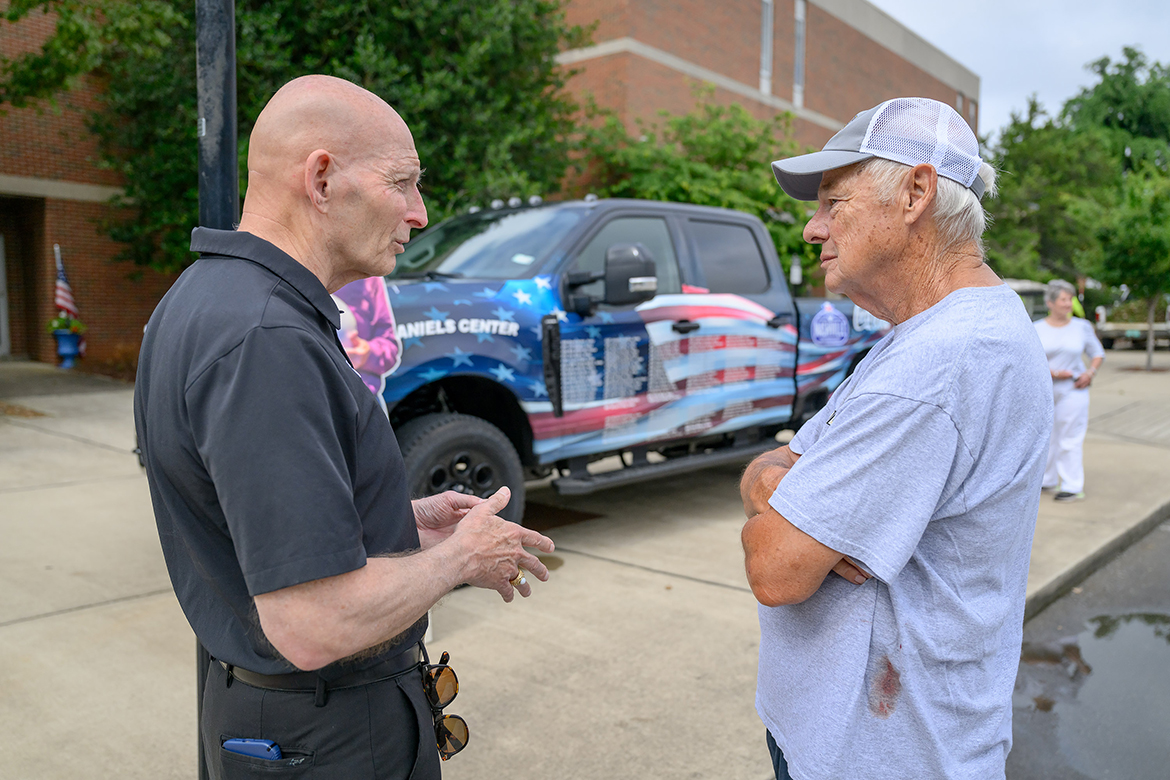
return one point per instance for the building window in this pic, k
(959, 103)
(798, 55)
(766, 47)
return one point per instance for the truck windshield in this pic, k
(488, 244)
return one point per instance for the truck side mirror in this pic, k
(630, 275)
(579, 302)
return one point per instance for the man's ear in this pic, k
(319, 167)
(922, 186)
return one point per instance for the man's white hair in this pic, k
(957, 212)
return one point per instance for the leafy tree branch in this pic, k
(715, 155)
(476, 81)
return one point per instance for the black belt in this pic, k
(295, 682)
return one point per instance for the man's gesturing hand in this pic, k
(494, 551)
(437, 516)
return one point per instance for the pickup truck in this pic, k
(1137, 333)
(535, 340)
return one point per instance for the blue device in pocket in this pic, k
(257, 748)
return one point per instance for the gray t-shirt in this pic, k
(925, 468)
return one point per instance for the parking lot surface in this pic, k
(637, 659)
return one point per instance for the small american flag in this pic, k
(63, 297)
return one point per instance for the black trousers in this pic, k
(778, 762)
(380, 731)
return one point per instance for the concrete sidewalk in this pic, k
(1127, 478)
(636, 660)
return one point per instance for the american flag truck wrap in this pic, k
(535, 341)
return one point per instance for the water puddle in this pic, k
(1099, 702)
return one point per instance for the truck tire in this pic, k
(462, 453)
(1107, 343)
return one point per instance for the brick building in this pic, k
(823, 60)
(52, 191)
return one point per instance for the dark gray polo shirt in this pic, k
(269, 461)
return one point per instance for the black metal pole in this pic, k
(215, 55)
(219, 184)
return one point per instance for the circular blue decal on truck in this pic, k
(829, 327)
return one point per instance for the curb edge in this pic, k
(1080, 571)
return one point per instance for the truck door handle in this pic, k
(780, 320)
(685, 326)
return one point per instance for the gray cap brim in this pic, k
(800, 176)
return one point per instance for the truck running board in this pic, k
(578, 483)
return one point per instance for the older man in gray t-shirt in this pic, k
(918, 483)
(924, 468)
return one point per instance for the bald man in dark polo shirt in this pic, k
(278, 487)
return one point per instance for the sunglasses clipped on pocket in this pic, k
(441, 686)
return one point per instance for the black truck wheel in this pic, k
(461, 453)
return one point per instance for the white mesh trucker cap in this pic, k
(911, 131)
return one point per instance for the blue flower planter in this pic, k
(68, 347)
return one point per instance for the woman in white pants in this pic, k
(1066, 340)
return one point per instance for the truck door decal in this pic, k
(639, 380)
(829, 327)
(462, 328)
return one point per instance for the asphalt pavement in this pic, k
(1092, 699)
(637, 659)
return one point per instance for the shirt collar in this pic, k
(246, 246)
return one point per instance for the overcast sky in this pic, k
(1018, 47)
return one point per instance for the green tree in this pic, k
(1134, 240)
(1037, 231)
(714, 156)
(1131, 101)
(1057, 171)
(85, 33)
(476, 81)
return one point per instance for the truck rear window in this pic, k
(731, 259)
(489, 244)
